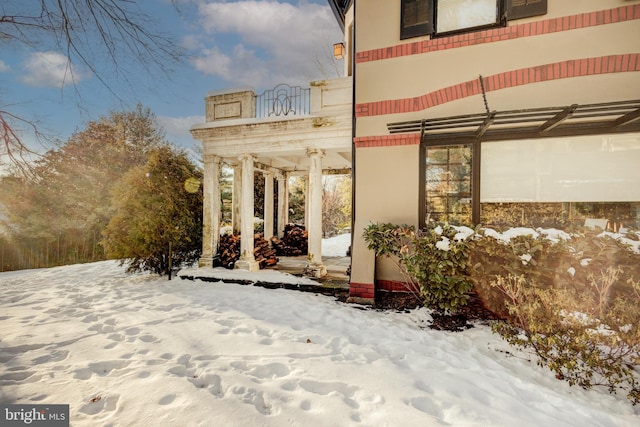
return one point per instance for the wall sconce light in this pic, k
(338, 50)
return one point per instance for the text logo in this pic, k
(34, 415)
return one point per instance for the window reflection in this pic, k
(448, 185)
(611, 216)
(456, 15)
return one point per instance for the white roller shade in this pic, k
(600, 168)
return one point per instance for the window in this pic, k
(562, 182)
(460, 15)
(448, 184)
(517, 9)
(555, 182)
(443, 17)
(433, 17)
(416, 18)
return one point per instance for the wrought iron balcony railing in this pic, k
(283, 100)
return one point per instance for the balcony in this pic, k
(279, 126)
(322, 98)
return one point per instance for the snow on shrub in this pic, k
(433, 260)
(575, 302)
(571, 299)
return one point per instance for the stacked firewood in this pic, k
(296, 236)
(278, 246)
(294, 242)
(263, 253)
(230, 251)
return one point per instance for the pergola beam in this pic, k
(485, 125)
(627, 118)
(613, 117)
(558, 118)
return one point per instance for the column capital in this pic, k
(282, 176)
(211, 158)
(246, 157)
(315, 152)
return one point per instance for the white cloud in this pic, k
(51, 69)
(240, 66)
(179, 126)
(273, 41)
(4, 67)
(191, 42)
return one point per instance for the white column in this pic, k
(268, 205)
(283, 203)
(247, 260)
(236, 200)
(314, 228)
(210, 210)
(306, 202)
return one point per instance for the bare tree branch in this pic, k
(12, 144)
(91, 33)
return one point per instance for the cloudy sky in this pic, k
(234, 43)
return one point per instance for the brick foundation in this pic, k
(395, 286)
(362, 291)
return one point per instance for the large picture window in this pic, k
(562, 182)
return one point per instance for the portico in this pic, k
(286, 141)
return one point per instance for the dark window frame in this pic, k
(416, 30)
(506, 11)
(528, 9)
(476, 153)
(609, 118)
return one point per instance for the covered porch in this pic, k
(285, 132)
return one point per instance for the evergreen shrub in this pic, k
(575, 303)
(433, 260)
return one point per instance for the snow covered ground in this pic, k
(138, 350)
(336, 246)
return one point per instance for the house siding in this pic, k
(581, 51)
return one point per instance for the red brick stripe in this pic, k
(387, 140)
(395, 286)
(523, 76)
(362, 290)
(554, 25)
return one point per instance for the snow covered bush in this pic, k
(574, 302)
(433, 260)
(518, 252)
(550, 259)
(585, 338)
(571, 299)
